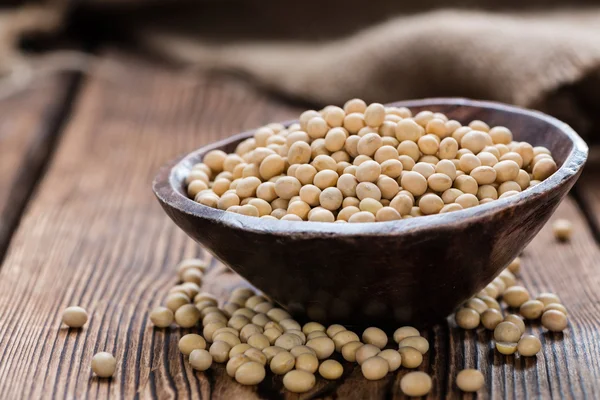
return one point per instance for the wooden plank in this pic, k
(96, 237)
(588, 191)
(29, 123)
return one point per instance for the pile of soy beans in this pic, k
(253, 337)
(510, 330)
(367, 163)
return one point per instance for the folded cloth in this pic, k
(327, 51)
(548, 60)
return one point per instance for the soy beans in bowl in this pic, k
(415, 268)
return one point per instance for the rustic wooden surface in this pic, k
(29, 124)
(588, 190)
(93, 235)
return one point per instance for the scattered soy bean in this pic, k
(259, 341)
(271, 352)
(282, 363)
(274, 338)
(104, 364)
(517, 320)
(228, 337)
(509, 279)
(418, 342)
(190, 263)
(307, 362)
(200, 359)
(239, 349)
(393, 358)
(312, 327)
(322, 346)
(161, 317)
(490, 318)
(191, 342)
(374, 368)
(557, 307)
(176, 300)
(219, 351)
(76, 317)
(296, 351)
(366, 351)
(248, 330)
(529, 345)
(506, 348)
(298, 333)
(507, 332)
(548, 298)
(476, 304)
(234, 363)
(250, 373)
(404, 332)
(349, 350)
(331, 369)
(343, 337)
(278, 314)
(532, 309)
(490, 302)
(416, 384)
(332, 330)
(515, 265)
(256, 355)
(470, 380)
(288, 341)
(375, 336)
(298, 381)
(515, 296)
(467, 318)
(272, 334)
(411, 357)
(316, 334)
(554, 320)
(563, 229)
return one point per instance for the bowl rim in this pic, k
(164, 187)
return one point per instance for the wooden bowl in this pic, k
(412, 271)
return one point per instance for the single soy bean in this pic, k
(470, 380)
(104, 364)
(76, 317)
(416, 384)
(298, 381)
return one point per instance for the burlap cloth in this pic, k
(532, 53)
(538, 58)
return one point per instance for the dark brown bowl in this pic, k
(387, 273)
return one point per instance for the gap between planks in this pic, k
(27, 172)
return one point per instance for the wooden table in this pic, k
(81, 227)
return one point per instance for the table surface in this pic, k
(79, 225)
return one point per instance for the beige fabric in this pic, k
(327, 51)
(16, 22)
(545, 60)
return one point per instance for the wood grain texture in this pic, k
(588, 191)
(96, 237)
(29, 124)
